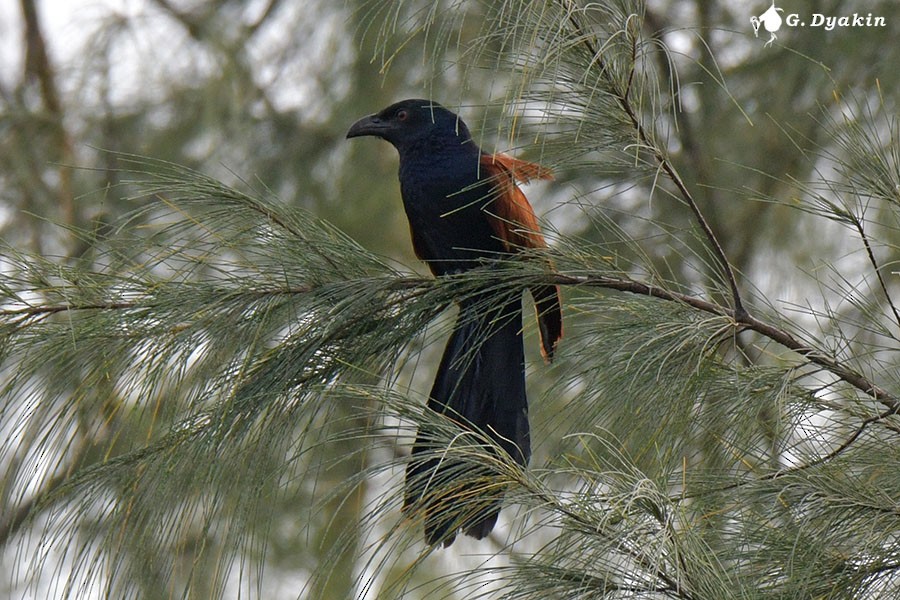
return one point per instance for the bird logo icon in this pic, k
(770, 19)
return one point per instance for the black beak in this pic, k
(370, 125)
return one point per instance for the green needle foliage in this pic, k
(219, 337)
(217, 397)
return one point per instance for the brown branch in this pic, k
(747, 322)
(821, 359)
(840, 449)
(741, 321)
(49, 309)
(645, 139)
(37, 61)
(38, 67)
(875, 267)
(738, 312)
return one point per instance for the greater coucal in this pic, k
(465, 209)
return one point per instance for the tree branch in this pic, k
(623, 98)
(49, 309)
(38, 67)
(746, 321)
(738, 312)
(743, 321)
(875, 267)
(840, 449)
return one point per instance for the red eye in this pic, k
(402, 115)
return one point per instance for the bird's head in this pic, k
(409, 122)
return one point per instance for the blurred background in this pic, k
(263, 91)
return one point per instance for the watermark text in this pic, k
(831, 22)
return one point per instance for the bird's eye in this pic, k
(402, 115)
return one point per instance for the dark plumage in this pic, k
(463, 207)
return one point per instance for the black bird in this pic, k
(464, 208)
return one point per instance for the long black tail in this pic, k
(480, 384)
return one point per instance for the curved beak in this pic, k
(370, 125)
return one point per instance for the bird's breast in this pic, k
(445, 205)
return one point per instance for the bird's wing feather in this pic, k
(522, 170)
(513, 221)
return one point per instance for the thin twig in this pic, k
(49, 309)
(843, 447)
(875, 267)
(746, 321)
(622, 97)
